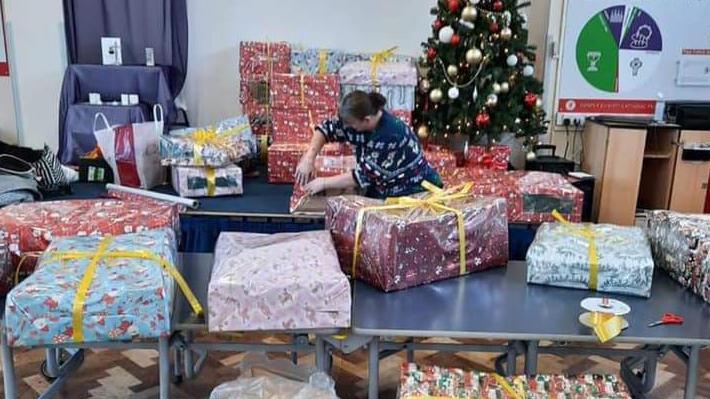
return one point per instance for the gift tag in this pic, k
(606, 305)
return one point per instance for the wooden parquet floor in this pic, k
(133, 373)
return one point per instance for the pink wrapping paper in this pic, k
(264, 58)
(290, 91)
(406, 248)
(495, 157)
(284, 158)
(296, 126)
(288, 281)
(531, 195)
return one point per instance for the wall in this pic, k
(7, 107)
(211, 90)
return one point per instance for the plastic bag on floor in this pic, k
(263, 378)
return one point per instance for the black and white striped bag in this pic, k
(50, 175)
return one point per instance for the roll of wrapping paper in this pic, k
(190, 203)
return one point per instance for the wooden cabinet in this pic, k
(640, 166)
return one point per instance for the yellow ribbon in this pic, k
(322, 62)
(203, 137)
(507, 388)
(23, 258)
(100, 254)
(584, 231)
(378, 59)
(211, 181)
(434, 202)
(606, 325)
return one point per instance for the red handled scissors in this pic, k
(668, 318)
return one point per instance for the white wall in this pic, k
(7, 111)
(216, 27)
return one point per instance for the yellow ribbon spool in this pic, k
(87, 279)
(211, 181)
(606, 325)
(584, 231)
(322, 62)
(433, 202)
(378, 59)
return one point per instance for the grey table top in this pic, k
(499, 304)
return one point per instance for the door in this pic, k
(690, 184)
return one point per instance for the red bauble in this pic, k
(454, 5)
(487, 160)
(498, 6)
(431, 53)
(455, 39)
(438, 24)
(530, 100)
(493, 27)
(483, 120)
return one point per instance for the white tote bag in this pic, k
(133, 151)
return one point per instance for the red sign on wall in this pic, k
(4, 67)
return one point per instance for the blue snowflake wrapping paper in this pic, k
(559, 256)
(128, 298)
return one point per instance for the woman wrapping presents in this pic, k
(390, 160)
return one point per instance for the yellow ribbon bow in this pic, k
(101, 254)
(378, 59)
(585, 231)
(434, 202)
(202, 137)
(322, 62)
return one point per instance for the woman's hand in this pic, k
(304, 170)
(316, 186)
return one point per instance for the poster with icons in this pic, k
(618, 56)
(4, 67)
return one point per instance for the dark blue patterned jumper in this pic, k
(390, 160)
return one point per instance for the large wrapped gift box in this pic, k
(291, 91)
(289, 281)
(191, 181)
(128, 297)
(315, 61)
(414, 245)
(418, 382)
(264, 58)
(297, 126)
(599, 257)
(495, 157)
(230, 141)
(27, 229)
(284, 158)
(531, 196)
(681, 245)
(395, 80)
(441, 159)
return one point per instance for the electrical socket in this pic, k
(578, 121)
(570, 120)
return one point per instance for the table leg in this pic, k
(410, 352)
(373, 368)
(187, 357)
(320, 353)
(531, 358)
(8, 367)
(52, 356)
(164, 367)
(511, 360)
(691, 379)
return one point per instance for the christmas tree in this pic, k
(477, 74)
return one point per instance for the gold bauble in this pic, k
(469, 13)
(504, 87)
(423, 132)
(506, 33)
(538, 103)
(531, 156)
(452, 70)
(496, 88)
(474, 56)
(436, 95)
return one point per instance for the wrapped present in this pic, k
(291, 91)
(28, 228)
(289, 281)
(284, 158)
(254, 93)
(94, 289)
(404, 115)
(325, 165)
(264, 58)
(495, 157)
(425, 238)
(449, 383)
(395, 80)
(229, 142)
(191, 181)
(598, 257)
(441, 159)
(313, 61)
(681, 245)
(531, 196)
(296, 126)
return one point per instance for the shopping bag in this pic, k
(133, 151)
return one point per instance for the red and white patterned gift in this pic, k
(264, 58)
(441, 159)
(284, 158)
(290, 91)
(404, 115)
(495, 157)
(296, 126)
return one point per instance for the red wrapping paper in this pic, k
(296, 126)
(406, 248)
(290, 91)
(531, 195)
(264, 58)
(404, 115)
(29, 228)
(284, 158)
(441, 159)
(495, 158)
(325, 165)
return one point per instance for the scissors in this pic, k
(668, 318)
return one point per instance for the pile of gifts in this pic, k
(204, 160)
